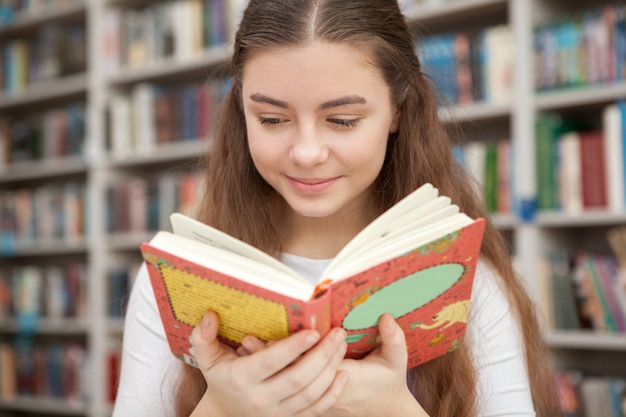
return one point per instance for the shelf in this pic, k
(128, 241)
(67, 327)
(46, 90)
(475, 112)
(580, 97)
(171, 68)
(125, 3)
(180, 151)
(28, 21)
(582, 219)
(48, 406)
(586, 340)
(43, 169)
(44, 248)
(505, 221)
(453, 10)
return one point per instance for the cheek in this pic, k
(255, 143)
(263, 150)
(367, 157)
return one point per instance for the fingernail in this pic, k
(246, 343)
(391, 325)
(340, 335)
(204, 326)
(312, 338)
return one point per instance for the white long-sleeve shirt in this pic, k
(149, 371)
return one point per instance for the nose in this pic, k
(308, 148)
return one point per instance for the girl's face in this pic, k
(318, 118)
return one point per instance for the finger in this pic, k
(393, 348)
(252, 344)
(242, 351)
(267, 362)
(312, 378)
(330, 397)
(207, 348)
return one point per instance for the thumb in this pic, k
(393, 348)
(207, 349)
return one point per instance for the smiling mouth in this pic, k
(314, 185)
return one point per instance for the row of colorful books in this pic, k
(178, 29)
(583, 290)
(490, 163)
(143, 204)
(10, 11)
(588, 47)
(582, 48)
(151, 115)
(119, 283)
(471, 67)
(55, 370)
(32, 292)
(55, 133)
(48, 213)
(56, 50)
(591, 396)
(581, 167)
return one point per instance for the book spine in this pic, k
(612, 126)
(546, 162)
(491, 177)
(570, 194)
(593, 169)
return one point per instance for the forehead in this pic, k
(318, 64)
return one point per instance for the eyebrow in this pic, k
(342, 101)
(260, 98)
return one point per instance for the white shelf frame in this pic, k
(30, 20)
(67, 86)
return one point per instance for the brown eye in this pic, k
(345, 122)
(271, 121)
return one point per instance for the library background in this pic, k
(104, 105)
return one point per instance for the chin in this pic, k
(312, 212)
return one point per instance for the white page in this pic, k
(408, 229)
(382, 225)
(200, 232)
(229, 263)
(393, 227)
(402, 246)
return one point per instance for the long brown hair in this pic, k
(240, 202)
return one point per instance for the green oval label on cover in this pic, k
(404, 295)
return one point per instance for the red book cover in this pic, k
(427, 289)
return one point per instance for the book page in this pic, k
(420, 217)
(193, 229)
(408, 226)
(405, 243)
(234, 265)
(401, 224)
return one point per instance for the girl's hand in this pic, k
(377, 385)
(297, 376)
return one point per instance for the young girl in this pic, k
(330, 121)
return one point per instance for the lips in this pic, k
(312, 185)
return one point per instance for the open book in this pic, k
(416, 261)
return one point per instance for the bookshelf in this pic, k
(109, 250)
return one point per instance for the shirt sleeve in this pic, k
(149, 371)
(503, 384)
